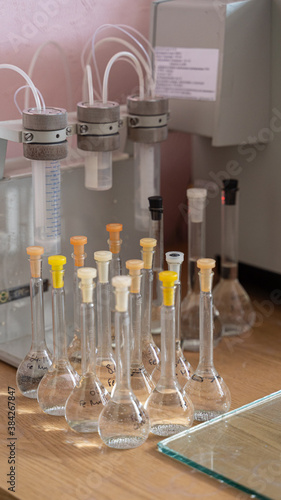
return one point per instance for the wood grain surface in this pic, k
(53, 462)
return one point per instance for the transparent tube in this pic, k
(46, 185)
(156, 231)
(57, 384)
(105, 365)
(98, 170)
(123, 423)
(38, 360)
(115, 269)
(150, 352)
(169, 408)
(206, 388)
(141, 381)
(74, 348)
(196, 250)
(147, 180)
(230, 297)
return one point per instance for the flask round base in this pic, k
(194, 344)
(57, 411)
(124, 442)
(204, 415)
(230, 330)
(32, 393)
(167, 429)
(81, 426)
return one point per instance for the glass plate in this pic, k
(241, 448)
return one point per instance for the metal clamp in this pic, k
(43, 137)
(138, 121)
(100, 129)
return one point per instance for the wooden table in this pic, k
(53, 462)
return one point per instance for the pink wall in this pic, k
(26, 24)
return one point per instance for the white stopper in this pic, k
(174, 261)
(196, 203)
(103, 258)
(121, 285)
(87, 275)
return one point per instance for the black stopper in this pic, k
(230, 187)
(156, 207)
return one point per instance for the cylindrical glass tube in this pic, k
(147, 180)
(150, 352)
(46, 184)
(206, 388)
(38, 360)
(123, 423)
(169, 408)
(61, 378)
(115, 267)
(196, 250)
(230, 298)
(156, 225)
(105, 365)
(87, 399)
(98, 170)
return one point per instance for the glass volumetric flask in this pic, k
(196, 250)
(150, 352)
(115, 267)
(170, 409)
(184, 369)
(156, 232)
(123, 423)
(78, 255)
(141, 381)
(38, 360)
(87, 399)
(206, 388)
(230, 298)
(61, 378)
(105, 364)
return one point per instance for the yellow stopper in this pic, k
(35, 260)
(114, 241)
(206, 273)
(78, 243)
(135, 266)
(57, 262)
(168, 279)
(147, 245)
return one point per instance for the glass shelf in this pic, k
(241, 448)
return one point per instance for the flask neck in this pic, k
(156, 232)
(37, 314)
(104, 349)
(122, 338)
(196, 250)
(59, 328)
(206, 331)
(168, 354)
(88, 343)
(76, 302)
(135, 302)
(147, 283)
(229, 237)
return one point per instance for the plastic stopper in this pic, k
(196, 203)
(103, 258)
(147, 245)
(168, 279)
(121, 285)
(135, 266)
(174, 261)
(78, 255)
(57, 262)
(86, 285)
(156, 207)
(206, 273)
(114, 241)
(35, 260)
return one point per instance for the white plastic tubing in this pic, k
(141, 57)
(28, 80)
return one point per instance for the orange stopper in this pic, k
(78, 255)
(114, 241)
(35, 260)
